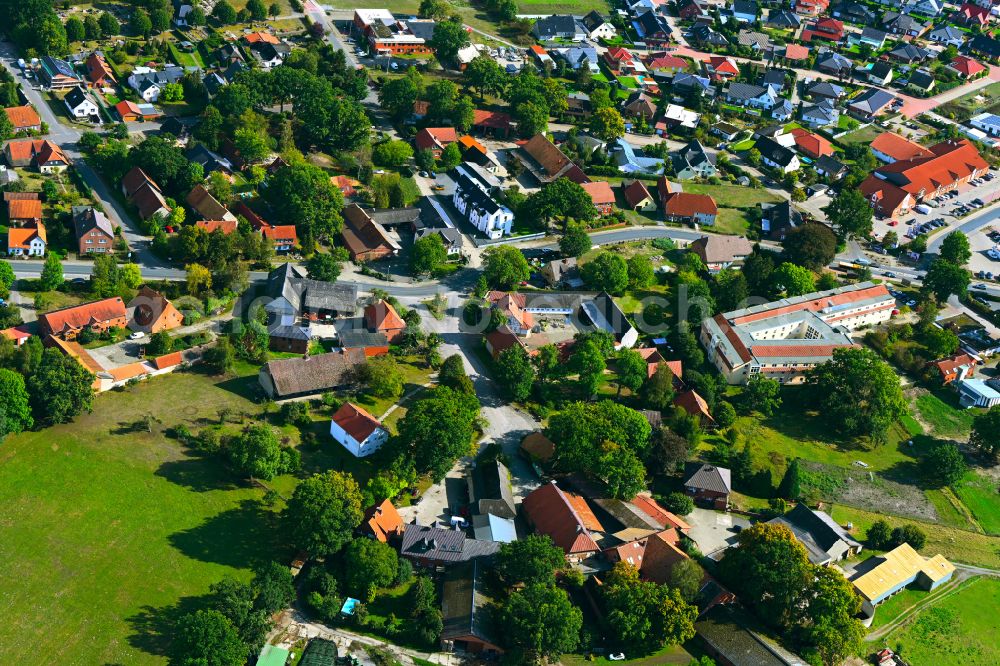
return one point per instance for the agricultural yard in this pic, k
(960, 629)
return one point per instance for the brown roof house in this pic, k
(547, 163)
(719, 252)
(151, 312)
(98, 316)
(710, 485)
(553, 511)
(536, 447)
(94, 232)
(466, 611)
(637, 196)
(662, 553)
(210, 208)
(366, 239)
(287, 378)
(144, 194)
(382, 318)
(358, 431)
(381, 522)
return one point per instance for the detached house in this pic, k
(602, 195)
(751, 95)
(474, 200)
(208, 207)
(870, 103)
(967, 68)
(435, 139)
(710, 485)
(143, 192)
(684, 207)
(81, 106)
(559, 26)
(366, 239)
(828, 29)
(94, 232)
(24, 118)
(719, 252)
(382, 318)
(947, 35)
(598, 27)
(357, 431)
(57, 74)
(44, 155)
(149, 83)
(693, 161)
(775, 155)
(640, 105)
(637, 196)
(27, 241)
(825, 541)
(98, 72)
(652, 28)
(152, 312)
(565, 518)
(98, 316)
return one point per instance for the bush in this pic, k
(678, 503)
(295, 414)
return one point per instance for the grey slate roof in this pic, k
(490, 489)
(872, 101)
(711, 477)
(815, 530)
(745, 91)
(465, 608)
(783, 19)
(727, 629)
(443, 545)
(909, 53)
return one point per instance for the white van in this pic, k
(923, 209)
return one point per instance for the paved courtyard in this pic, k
(714, 530)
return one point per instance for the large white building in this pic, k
(357, 430)
(783, 339)
(473, 200)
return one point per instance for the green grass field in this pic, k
(895, 605)
(961, 629)
(944, 419)
(105, 529)
(733, 196)
(979, 493)
(863, 135)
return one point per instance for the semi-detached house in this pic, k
(472, 198)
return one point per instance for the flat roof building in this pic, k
(783, 339)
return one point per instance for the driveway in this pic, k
(714, 530)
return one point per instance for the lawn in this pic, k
(675, 654)
(961, 629)
(731, 221)
(106, 528)
(979, 493)
(895, 605)
(944, 419)
(955, 544)
(866, 134)
(733, 196)
(745, 144)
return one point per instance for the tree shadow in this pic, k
(197, 474)
(245, 387)
(153, 628)
(239, 537)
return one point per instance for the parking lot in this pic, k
(985, 246)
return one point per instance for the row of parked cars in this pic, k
(922, 228)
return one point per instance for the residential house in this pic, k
(143, 192)
(387, 37)
(921, 81)
(825, 541)
(810, 144)
(870, 103)
(776, 220)
(901, 23)
(357, 431)
(473, 198)
(637, 196)
(149, 83)
(580, 56)
(640, 105)
(897, 569)
(57, 74)
(855, 12)
(547, 163)
(602, 195)
(438, 548)
(972, 15)
(908, 53)
(820, 114)
(44, 155)
(24, 211)
(98, 316)
(210, 161)
(81, 106)
(208, 207)
(829, 62)
(690, 9)
(381, 317)
(381, 522)
(870, 37)
(565, 518)
(782, 111)
(94, 232)
(450, 238)
(365, 238)
(880, 73)
(683, 83)
(889, 147)
(269, 56)
(27, 241)
(947, 35)
(225, 227)
(696, 209)
(896, 188)
(978, 393)
(297, 302)
(288, 378)
(603, 314)
(652, 28)
(598, 27)
(541, 56)
(578, 105)
(830, 168)
(98, 72)
(629, 162)
(704, 35)
(777, 156)
(955, 367)
(752, 95)
(984, 46)
(754, 40)
(725, 131)
(562, 272)
(720, 68)
(490, 491)
(776, 78)
(719, 252)
(675, 115)
(827, 29)
(24, 118)
(435, 139)
(129, 112)
(710, 485)
(793, 53)
(667, 64)
(810, 7)
(821, 90)
(693, 161)
(152, 312)
(465, 612)
(661, 553)
(783, 19)
(559, 26)
(621, 61)
(745, 11)
(967, 68)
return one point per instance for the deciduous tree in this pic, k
(607, 271)
(533, 560)
(323, 512)
(540, 622)
(985, 435)
(60, 388)
(504, 267)
(850, 214)
(15, 412)
(515, 372)
(955, 248)
(812, 245)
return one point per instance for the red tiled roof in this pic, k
(135, 179)
(635, 193)
(535, 48)
(685, 204)
(897, 147)
(226, 226)
(124, 373)
(854, 296)
(652, 508)
(255, 220)
(768, 351)
(24, 209)
(668, 62)
(18, 238)
(811, 144)
(600, 192)
(97, 69)
(951, 161)
(39, 151)
(512, 305)
(168, 360)
(127, 108)
(694, 404)
(723, 65)
(661, 555)
(261, 38)
(382, 521)
(973, 12)
(502, 339)
(796, 52)
(435, 137)
(280, 232)
(586, 514)
(627, 552)
(946, 366)
(79, 316)
(382, 317)
(491, 119)
(16, 333)
(355, 421)
(23, 117)
(551, 512)
(966, 66)
(619, 54)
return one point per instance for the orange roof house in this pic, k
(22, 212)
(496, 123)
(170, 360)
(381, 317)
(23, 118)
(601, 194)
(16, 334)
(152, 312)
(966, 67)
(811, 144)
(381, 522)
(512, 304)
(225, 226)
(22, 240)
(98, 72)
(357, 430)
(43, 155)
(435, 139)
(551, 512)
(694, 404)
(261, 38)
(957, 366)
(722, 67)
(652, 508)
(97, 315)
(796, 52)
(345, 184)
(890, 147)
(688, 207)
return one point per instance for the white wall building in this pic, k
(358, 431)
(473, 200)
